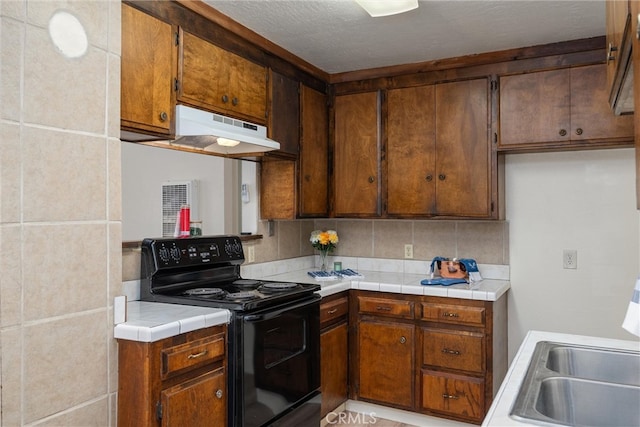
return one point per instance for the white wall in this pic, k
(144, 169)
(571, 200)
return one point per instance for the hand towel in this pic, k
(632, 320)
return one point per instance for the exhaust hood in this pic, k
(211, 132)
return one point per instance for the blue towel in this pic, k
(441, 281)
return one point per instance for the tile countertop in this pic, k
(498, 414)
(401, 283)
(153, 321)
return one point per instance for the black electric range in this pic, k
(205, 271)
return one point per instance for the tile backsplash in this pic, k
(485, 241)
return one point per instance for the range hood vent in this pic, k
(210, 132)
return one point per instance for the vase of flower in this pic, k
(324, 242)
(323, 260)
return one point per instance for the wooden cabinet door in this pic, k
(333, 367)
(148, 57)
(463, 149)
(386, 362)
(284, 119)
(277, 189)
(357, 155)
(411, 155)
(635, 10)
(198, 402)
(616, 19)
(535, 107)
(314, 154)
(591, 115)
(215, 79)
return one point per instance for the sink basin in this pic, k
(577, 402)
(595, 364)
(573, 385)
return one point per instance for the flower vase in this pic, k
(323, 260)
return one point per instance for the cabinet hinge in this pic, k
(494, 85)
(492, 207)
(158, 410)
(176, 85)
(495, 137)
(177, 38)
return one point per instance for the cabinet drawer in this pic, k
(188, 356)
(458, 314)
(454, 350)
(333, 310)
(385, 307)
(453, 394)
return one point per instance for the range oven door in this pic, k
(281, 360)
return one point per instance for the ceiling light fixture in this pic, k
(377, 8)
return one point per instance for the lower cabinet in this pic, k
(334, 351)
(180, 380)
(444, 357)
(385, 364)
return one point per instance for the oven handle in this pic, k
(271, 314)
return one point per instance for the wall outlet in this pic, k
(251, 254)
(570, 259)
(408, 251)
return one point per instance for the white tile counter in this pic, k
(152, 321)
(498, 414)
(401, 283)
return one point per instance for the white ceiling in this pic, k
(338, 36)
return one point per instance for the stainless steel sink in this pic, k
(577, 402)
(580, 386)
(595, 364)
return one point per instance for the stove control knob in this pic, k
(233, 247)
(164, 254)
(175, 253)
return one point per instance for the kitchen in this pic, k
(84, 168)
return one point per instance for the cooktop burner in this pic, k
(277, 287)
(212, 292)
(246, 283)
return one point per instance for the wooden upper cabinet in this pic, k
(439, 153)
(314, 154)
(565, 108)
(147, 73)
(411, 154)
(218, 80)
(535, 107)
(357, 155)
(284, 117)
(463, 149)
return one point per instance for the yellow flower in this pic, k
(324, 240)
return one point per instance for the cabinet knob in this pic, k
(403, 340)
(429, 178)
(307, 178)
(579, 131)
(225, 98)
(562, 132)
(163, 116)
(234, 101)
(219, 394)
(449, 396)
(371, 179)
(452, 352)
(442, 177)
